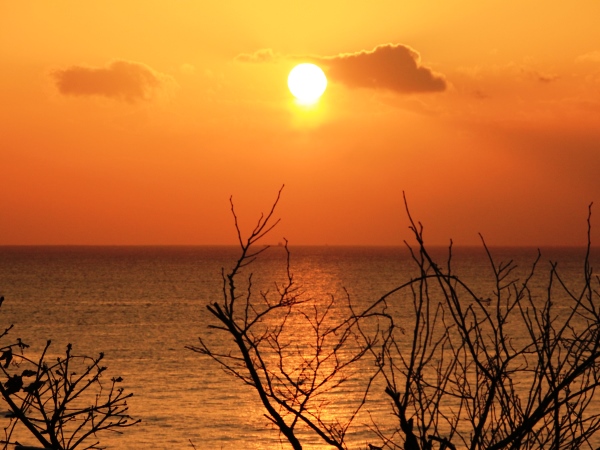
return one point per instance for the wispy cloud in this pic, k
(590, 57)
(393, 67)
(259, 56)
(120, 80)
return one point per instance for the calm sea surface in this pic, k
(142, 305)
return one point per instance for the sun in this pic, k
(307, 82)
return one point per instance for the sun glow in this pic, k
(307, 82)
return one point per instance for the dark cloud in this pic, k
(259, 56)
(120, 80)
(546, 78)
(393, 67)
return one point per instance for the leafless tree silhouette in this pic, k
(63, 403)
(291, 375)
(457, 377)
(468, 383)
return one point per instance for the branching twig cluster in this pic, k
(62, 403)
(509, 369)
(287, 347)
(492, 390)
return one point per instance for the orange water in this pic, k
(142, 305)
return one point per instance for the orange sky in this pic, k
(132, 122)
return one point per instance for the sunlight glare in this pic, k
(307, 82)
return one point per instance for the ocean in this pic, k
(141, 307)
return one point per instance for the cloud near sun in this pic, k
(120, 80)
(393, 67)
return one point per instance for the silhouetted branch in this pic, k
(458, 375)
(63, 403)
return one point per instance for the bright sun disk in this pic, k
(307, 82)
